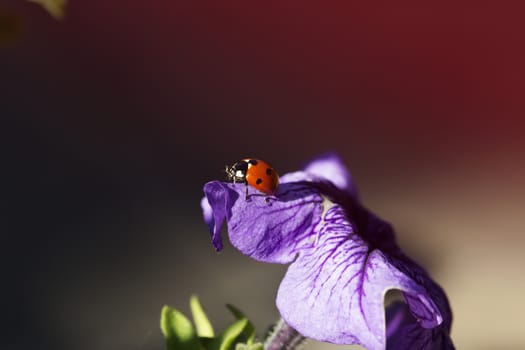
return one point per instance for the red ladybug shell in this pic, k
(261, 175)
(256, 173)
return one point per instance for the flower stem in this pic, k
(283, 337)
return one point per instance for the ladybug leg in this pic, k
(246, 191)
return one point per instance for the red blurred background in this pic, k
(115, 117)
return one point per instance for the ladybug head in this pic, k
(237, 172)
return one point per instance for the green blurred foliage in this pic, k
(180, 333)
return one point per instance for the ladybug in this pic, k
(256, 173)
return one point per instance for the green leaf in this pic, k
(178, 330)
(256, 346)
(54, 7)
(249, 331)
(202, 323)
(225, 340)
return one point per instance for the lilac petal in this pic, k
(331, 167)
(297, 176)
(207, 212)
(214, 210)
(397, 316)
(404, 332)
(334, 290)
(270, 231)
(346, 259)
(417, 273)
(324, 168)
(209, 219)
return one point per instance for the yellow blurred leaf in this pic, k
(55, 7)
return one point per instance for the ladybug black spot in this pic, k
(259, 181)
(253, 161)
(268, 171)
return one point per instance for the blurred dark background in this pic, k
(114, 118)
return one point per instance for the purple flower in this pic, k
(343, 259)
